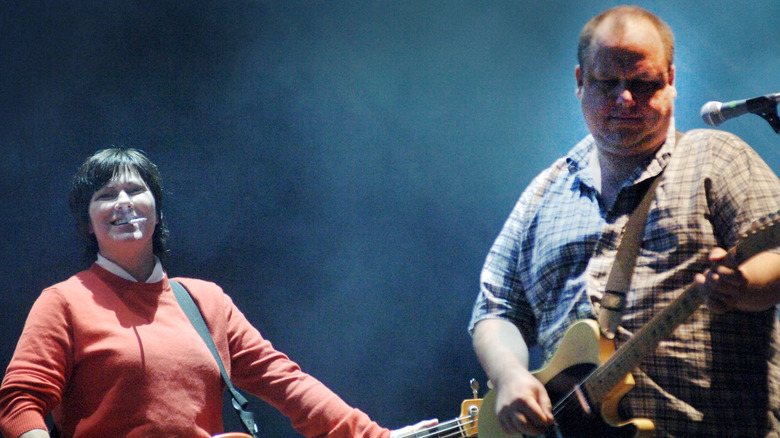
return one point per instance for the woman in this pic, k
(110, 352)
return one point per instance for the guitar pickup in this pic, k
(582, 400)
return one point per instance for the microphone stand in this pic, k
(766, 108)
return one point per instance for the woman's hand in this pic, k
(408, 430)
(35, 433)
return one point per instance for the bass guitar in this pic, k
(586, 377)
(466, 425)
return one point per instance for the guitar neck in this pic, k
(763, 235)
(466, 425)
(642, 343)
(451, 429)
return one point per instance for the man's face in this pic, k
(627, 89)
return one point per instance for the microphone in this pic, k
(714, 113)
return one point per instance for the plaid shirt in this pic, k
(717, 375)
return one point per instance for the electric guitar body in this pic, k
(581, 351)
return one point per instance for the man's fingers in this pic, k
(530, 419)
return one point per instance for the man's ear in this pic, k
(671, 82)
(578, 76)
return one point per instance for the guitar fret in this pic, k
(627, 358)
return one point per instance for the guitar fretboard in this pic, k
(763, 235)
(644, 341)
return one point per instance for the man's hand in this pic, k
(523, 405)
(522, 402)
(753, 286)
(721, 284)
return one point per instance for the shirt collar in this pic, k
(157, 273)
(584, 156)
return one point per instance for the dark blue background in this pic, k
(339, 167)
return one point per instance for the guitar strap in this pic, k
(619, 281)
(240, 403)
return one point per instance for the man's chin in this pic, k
(628, 142)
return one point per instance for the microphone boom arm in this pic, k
(714, 113)
(765, 109)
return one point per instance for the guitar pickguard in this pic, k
(581, 351)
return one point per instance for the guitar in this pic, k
(466, 425)
(586, 377)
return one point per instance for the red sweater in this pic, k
(116, 358)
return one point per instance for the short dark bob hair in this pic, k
(96, 172)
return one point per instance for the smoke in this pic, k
(339, 167)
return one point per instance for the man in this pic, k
(717, 373)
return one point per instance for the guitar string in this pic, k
(451, 431)
(566, 404)
(569, 403)
(452, 428)
(688, 300)
(640, 339)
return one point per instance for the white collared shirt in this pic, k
(108, 265)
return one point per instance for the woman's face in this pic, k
(112, 210)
